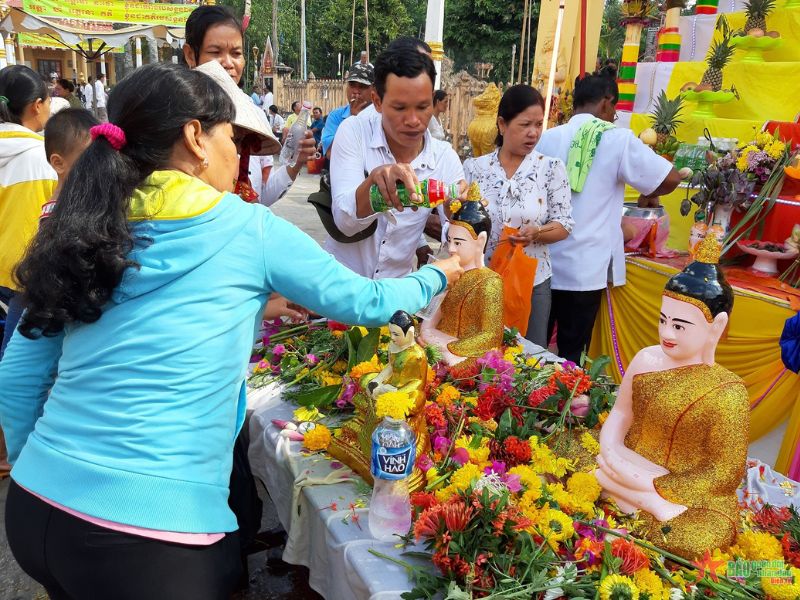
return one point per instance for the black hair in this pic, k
(21, 86)
(404, 61)
(591, 89)
(515, 100)
(89, 79)
(65, 129)
(476, 216)
(403, 320)
(438, 96)
(273, 108)
(408, 41)
(704, 282)
(82, 250)
(295, 103)
(67, 85)
(318, 108)
(204, 18)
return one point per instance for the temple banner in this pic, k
(37, 40)
(142, 13)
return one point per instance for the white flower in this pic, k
(566, 575)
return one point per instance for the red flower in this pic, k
(434, 415)
(571, 378)
(516, 451)
(336, 326)
(457, 516)
(540, 395)
(771, 519)
(427, 524)
(442, 562)
(465, 374)
(423, 500)
(631, 556)
(791, 550)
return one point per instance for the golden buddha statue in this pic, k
(406, 372)
(675, 444)
(482, 130)
(469, 321)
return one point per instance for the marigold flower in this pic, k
(318, 438)
(447, 395)
(584, 486)
(618, 587)
(632, 557)
(365, 368)
(778, 589)
(757, 545)
(395, 405)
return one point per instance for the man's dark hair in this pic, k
(438, 96)
(65, 128)
(405, 61)
(273, 108)
(67, 85)
(295, 103)
(591, 89)
(408, 41)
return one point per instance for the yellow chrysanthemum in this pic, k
(618, 587)
(782, 590)
(431, 474)
(471, 401)
(303, 413)
(544, 461)
(591, 445)
(463, 477)
(533, 362)
(528, 499)
(527, 477)
(511, 353)
(327, 378)
(757, 545)
(445, 493)
(478, 456)
(339, 367)
(490, 425)
(447, 395)
(584, 486)
(318, 438)
(650, 585)
(395, 405)
(555, 526)
(365, 368)
(601, 418)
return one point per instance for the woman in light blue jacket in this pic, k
(123, 389)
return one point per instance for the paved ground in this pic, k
(270, 578)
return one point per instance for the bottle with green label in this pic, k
(430, 194)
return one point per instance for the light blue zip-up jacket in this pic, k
(146, 403)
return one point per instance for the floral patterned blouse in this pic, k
(536, 194)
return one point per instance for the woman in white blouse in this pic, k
(440, 105)
(527, 191)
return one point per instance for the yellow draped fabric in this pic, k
(750, 349)
(785, 21)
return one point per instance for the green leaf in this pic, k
(504, 427)
(318, 397)
(598, 367)
(368, 346)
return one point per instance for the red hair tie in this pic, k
(112, 133)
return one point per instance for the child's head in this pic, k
(66, 136)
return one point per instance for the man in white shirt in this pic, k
(593, 255)
(268, 98)
(100, 99)
(88, 95)
(391, 146)
(275, 120)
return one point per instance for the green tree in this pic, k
(485, 31)
(612, 31)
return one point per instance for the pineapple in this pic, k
(757, 11)
(665, 117)
(718, 57)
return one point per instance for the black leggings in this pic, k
(76, 560)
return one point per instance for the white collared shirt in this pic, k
(100, 92)
(361, 147)
(536, 194)
(594, 254)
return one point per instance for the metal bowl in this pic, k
(633, 210)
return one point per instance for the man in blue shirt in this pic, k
(359, 95)
(317, 124)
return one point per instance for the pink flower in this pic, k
(311, 359)
(512, 483)
(461, 456)
(497, 466)
(347, 394)
(441, 444)
(279, 350)
(580, 406)
(424, 462)
(262, 364)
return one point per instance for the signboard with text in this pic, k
(135, 13)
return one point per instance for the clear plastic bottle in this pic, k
(430, 192)
(291, 147)
(393, 456)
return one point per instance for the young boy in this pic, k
(66, 136)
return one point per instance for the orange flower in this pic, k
(427, 524)
(571, 378)
(631, 556)
(457, 516)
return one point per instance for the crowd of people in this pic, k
(136, 276)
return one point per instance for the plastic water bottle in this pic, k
(393, 455)
(291, 147)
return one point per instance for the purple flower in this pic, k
(279, 350)
(254, 358)
(424, 462)
(461, 456)
(568, 365)
(311, 359)
(497, 466)
(441, 444)
(262, 364)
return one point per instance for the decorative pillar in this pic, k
(138, 52)
(706, 7)
(9, 46)
(627, 68)
(3, 61)
(74, 58)
(82, 70)
(669, 40)
(103, 65)
(20, 53)
(112, 69)
(434, 36)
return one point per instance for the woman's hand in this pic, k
(452, 269)
(526, 235)
(308, 150)
(278, 306)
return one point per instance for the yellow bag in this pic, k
(518, 271)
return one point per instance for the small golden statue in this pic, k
(675, 444)
(406, 372)
(482, 130)
(469, 322)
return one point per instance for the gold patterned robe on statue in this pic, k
(694, 422)
(353, 444)
(473, 312)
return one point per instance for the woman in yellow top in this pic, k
(26, 178)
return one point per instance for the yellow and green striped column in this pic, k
(706, 7)
(669, 40)
(627, 67)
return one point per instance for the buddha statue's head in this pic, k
(402, 331)
(695, 308)
(470, 227)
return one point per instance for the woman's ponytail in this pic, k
(19, 87)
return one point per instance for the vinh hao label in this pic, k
(392, 463)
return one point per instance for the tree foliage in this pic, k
(612, 32)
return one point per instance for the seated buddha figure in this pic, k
(675, 444)
(406, 372)
(469, 321)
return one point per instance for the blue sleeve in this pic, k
(790, 344)
(27, 373)
(335, 119)
(297, 268)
